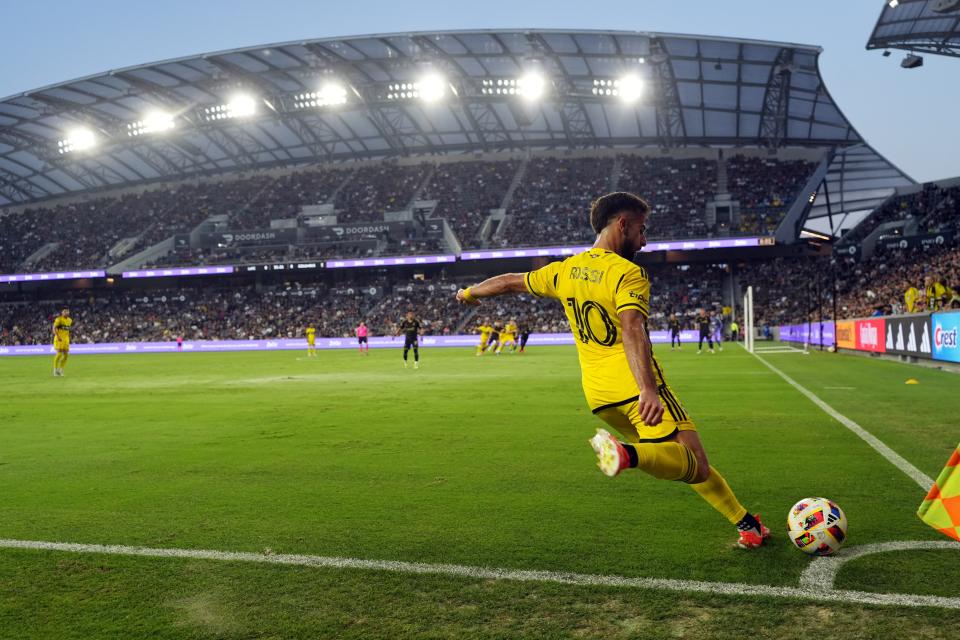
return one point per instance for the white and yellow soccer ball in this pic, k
(817, 526)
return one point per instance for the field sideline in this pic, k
(469, 461)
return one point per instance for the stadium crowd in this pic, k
(466, 191)
(548, 206)
(794, 290)
(936, 209)
(765, 188)
(677, 191)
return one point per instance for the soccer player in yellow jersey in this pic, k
(485, 329)
(311, 341)
(508, 336)
(61, 341)
(606, 299)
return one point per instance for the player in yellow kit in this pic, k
(606, 299)
(485, 329)
(311, 341)
(508, 336)
(61, 341)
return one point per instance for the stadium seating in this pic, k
(678, 191)
(765, 188)
(785, 288)
(548, 207)
(466, 191)
(550, 204)
(935, 208)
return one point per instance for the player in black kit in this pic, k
(703, 324)
(674, 325)
(524, 334)
(411, 330)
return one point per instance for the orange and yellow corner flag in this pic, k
(941, 507)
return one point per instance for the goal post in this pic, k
(748, 320)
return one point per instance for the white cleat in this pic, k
(416, 365)
(404, 364)
(612, 458)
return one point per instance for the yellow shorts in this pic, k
(507, 338)
(625, 418)
(311, 343)
(484, 342)
(60, 345)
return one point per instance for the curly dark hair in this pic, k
(606, 207)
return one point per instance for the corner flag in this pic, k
(941, 507)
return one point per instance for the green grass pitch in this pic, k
(473, 461)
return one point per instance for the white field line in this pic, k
(823, 571)
(892, 456)
(819, 593)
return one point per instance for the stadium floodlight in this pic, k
(431, 87)
(329, 95)
(333, 93)
(629, 87)
(153, 122)
(79, 139)
(531, 86)
(241, 106)
(893, 4)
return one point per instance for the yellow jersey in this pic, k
(509, 332)
(61, 329)
(485, 331)
(935, 294)
(910, 298)
(594, 287)
(311, 335)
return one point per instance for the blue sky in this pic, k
(910, 116)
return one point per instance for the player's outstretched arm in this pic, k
(495, 286)
(636, 345)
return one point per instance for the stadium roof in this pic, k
(929, 26)
(694, 91)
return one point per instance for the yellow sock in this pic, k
(63, 359)
(717, 492)
(666, 460)
(56, 361)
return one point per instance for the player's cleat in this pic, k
(416, 365)
(404, 364)
(711, 350)
(612, 457)
(749, 537)
(56, 373)
(699, 351)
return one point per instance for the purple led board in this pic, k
(180, 271)
(696, 245)
(388, 262)
(43, 277)
(807, 333)
(527, 252)
(287, 344)
(672, 245)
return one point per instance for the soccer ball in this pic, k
(817, 526)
